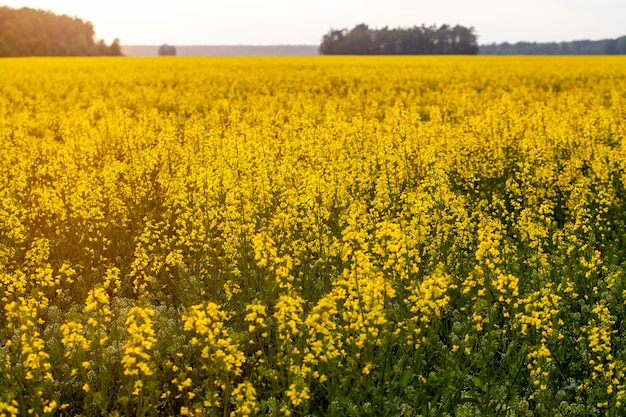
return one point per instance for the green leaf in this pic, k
(476, 380)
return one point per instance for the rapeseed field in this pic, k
(326, 236)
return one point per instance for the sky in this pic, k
(304, 22)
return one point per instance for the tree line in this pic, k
(416, 40)
(167, 50)
(583, 47)
(32, 32)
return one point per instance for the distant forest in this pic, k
(418, 40)
(31, 32)
(584, 47)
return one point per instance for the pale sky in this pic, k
(273, 22)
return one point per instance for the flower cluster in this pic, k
(295, 236)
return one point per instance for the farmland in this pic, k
(330, 236)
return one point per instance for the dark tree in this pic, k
(167, 50)
(621, 45)
(31, 32)
(418, 40)
(115, 49)
(333, 42)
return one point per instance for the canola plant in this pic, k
(418, 236)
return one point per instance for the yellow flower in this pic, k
(50, 407)
(136, 360)
(298, 393)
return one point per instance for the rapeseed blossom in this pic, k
(295, 236)
(137, 361)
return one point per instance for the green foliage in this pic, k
(167, 50)
(31, 32)
(418, 40)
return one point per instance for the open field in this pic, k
(411, 236)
